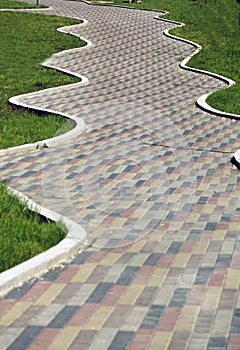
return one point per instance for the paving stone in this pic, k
(51, 275)
(9, 335)
(103, 339)
(44, 339)
(100, 292)
(44, 317)
(217, 343)
(179, 297)
(63, 317)
(25, 338)
(17, 293)
(151, 184)
(203, 275)
(127, 275)
(153, 259)
(146, 296)
(80, 259)
(179, 339)
(235, 321)
(152, 317)
(121, 340)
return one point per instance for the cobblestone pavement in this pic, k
(151, 183)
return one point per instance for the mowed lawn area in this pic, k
(26, 41)
(216, 27)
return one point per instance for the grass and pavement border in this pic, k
(76, 234)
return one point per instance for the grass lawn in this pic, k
(23, 233)
(216, 26)
(26, 41)
(6, 4)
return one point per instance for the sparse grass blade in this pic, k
(26, 40)
(24, 233)
(214, 25)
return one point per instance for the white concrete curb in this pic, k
(75, 233)
(68, 246)
(53, 256)
(79, 123)
(201, 101)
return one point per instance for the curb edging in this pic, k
(201, 101)
(40, 263)
(80, 124)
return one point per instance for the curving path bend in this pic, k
(149, 181)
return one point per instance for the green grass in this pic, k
(6, 4)
(23, 233)
(215, 26)
(26, 41)
(30, 39)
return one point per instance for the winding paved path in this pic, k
(150, 182)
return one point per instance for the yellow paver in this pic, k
(64, 338)
(158, 277)
(219, 235)
(200, 248)
(188, 317)
(99, 317)
(232, 279)
(110, 259)
(83, 274)
(50, 294)
(131, 294)
(160, 341)
(212, 297)
(137, 246)
(15, 312)
(181, 260)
